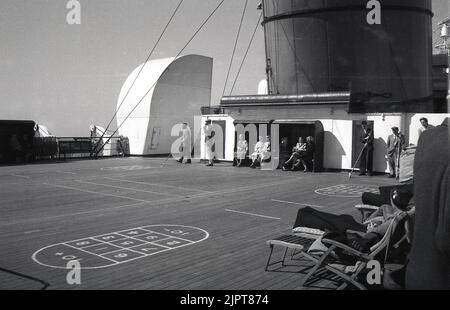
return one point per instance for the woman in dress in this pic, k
(295, 160)
(242, 148)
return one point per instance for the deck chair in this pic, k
(298, 242)
(395, 234)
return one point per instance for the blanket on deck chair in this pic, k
(309, 217)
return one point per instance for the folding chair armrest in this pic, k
(368, 208)
(346, 248)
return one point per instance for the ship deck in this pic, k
(46, 206)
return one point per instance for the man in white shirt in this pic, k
(185, 144)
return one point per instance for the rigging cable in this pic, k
(148, 91)
(297, 58)
(235, 45)
(138, 74)
(246, 52)
(396, 65)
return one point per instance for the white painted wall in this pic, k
(228, 135)
(180, 88)
(337, 143)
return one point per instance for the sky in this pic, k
(69, 76)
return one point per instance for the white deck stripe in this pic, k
(297, 203)
(128, 188)
(33, 220)
(21, 176)
(253, 214)
(66, 172)
(97, 193)
(160, 185)
(98, 255)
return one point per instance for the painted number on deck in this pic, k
(120, 246)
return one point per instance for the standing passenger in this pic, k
(185, 144)
(242, 148)
(395, 144)
(365, 162)
(209, 142)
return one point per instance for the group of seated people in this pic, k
(261, 151)
(301, 154)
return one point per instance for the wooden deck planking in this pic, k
(233, 257)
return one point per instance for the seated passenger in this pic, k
(242, 148)
(379, 221)
(294, 160)
(345, 229)
(266, 151)
(256, 155)
(373, 199)
(284, 152)
(308, 156)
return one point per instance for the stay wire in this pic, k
(234, 48)
(148, 91)
(246, 52)
(140, 71)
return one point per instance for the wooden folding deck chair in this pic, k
(298, 242)
(301, 239)
(396, 230)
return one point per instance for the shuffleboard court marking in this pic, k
(96, 193)
(154, 173)
(32, 231)
(219, 192)
(297, 203)
(72, 214)
(346, 190)
(87, 250)
(66, 172)
(253, 214)
(129, 168)
(127, 188)
(21, 176)
(134, 205)
(158, 185)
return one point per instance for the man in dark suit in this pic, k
(429, 260)
(365, 162)
(395, 143)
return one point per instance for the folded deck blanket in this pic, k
(309, 217)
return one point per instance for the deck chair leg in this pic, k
(350, 279)
(284, 257)
(317, 266)
(270, 256)
(355, 275)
